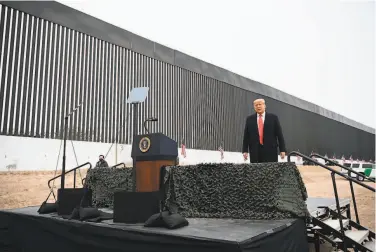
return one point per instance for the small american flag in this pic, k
(220, 148)
(183, 151)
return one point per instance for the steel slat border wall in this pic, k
(62, 68)
(79, 21)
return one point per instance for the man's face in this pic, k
(259, 106)
(100, 157)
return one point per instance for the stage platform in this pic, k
(25, 230)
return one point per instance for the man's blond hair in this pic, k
(259, 100)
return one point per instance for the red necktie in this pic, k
(261, 129)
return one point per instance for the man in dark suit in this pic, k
(262, 130)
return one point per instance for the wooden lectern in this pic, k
(150, 152)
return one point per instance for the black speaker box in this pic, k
(70, 198)
(135, 207)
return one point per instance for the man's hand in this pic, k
(245, 155)
(283, 154)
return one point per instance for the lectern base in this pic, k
(148, 174)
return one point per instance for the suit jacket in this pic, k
(102, 164)
(273, 138)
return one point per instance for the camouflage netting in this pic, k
(105, 181)
(244, 191)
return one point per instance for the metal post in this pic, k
(339, 211)
(348, 213)
(74, 179)
(354, 202)
(317, 241)
(135, 119)
(116, 146)
(116, 152)
(64, 153)
(65, 145)
(135, 133)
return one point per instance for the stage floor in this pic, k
(31, 231)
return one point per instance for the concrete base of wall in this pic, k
(24, 153)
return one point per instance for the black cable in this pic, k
(74, 151)
(57, 164)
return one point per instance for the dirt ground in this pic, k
(20, 189)
(319, 184)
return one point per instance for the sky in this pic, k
(322, 51)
